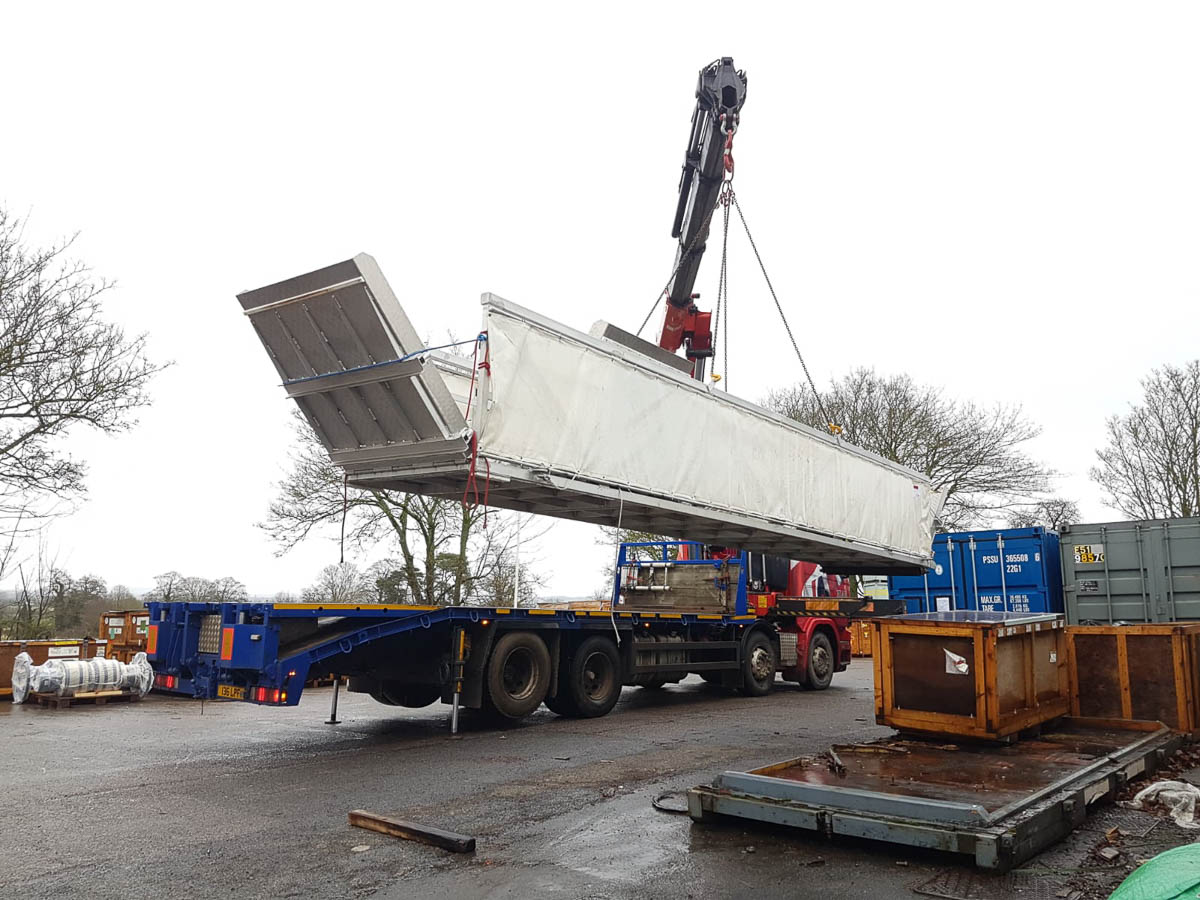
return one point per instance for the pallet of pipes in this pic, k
(61, 681)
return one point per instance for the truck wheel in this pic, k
(561, 703)
(413, 696)
(518, 675)
(820, 662)
(759, 663)
(595, 677)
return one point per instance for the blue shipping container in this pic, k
(969, 573)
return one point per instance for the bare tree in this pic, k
(972, 452)
(228, 590)
(500, 585)
(1052, 512)
(42, 587)
(1150, 466)
(341, 583)
(121, 597)
(85, 599)
(171, 586)
(166, 588)
(388, 581)
(444, 548)
(194, 589)
(61, 365)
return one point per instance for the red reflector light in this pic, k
(275, 696)
(261, 695)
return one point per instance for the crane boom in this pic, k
(720, 95)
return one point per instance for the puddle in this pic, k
(617, 840)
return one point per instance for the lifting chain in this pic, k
(724, 199)
(834, 429)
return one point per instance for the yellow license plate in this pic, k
(233, 693)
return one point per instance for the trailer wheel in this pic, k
(561, 703)
(518, 675)
(820, 662)
(413, 696)
(595, 677)
(759, 662)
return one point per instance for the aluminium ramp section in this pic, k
(344, 349)
(578, 427)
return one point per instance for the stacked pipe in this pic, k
(68, 677)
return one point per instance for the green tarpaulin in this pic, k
(1172, 875)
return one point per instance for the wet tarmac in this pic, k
(174, 798)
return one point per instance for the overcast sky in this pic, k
(1000, 199)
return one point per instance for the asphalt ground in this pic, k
(175, 798)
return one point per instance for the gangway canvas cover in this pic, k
(579, 427)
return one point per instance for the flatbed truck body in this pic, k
(504, 660)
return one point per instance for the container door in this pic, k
(938, 589)
(1180, 543)
(1010, 571)
(1105, 573)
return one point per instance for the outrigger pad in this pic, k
(579, 427)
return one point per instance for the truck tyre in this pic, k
(759, 662)
(594, 680)
(561, 703)
(820, 662)
(413, 696)
(518, 675)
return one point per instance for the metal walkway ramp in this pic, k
(578, 427)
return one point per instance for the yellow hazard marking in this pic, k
(366, 607)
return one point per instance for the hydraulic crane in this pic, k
(708, 162)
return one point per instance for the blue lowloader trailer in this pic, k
(1000, 570)
(739, 633)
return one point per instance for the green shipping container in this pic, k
(1145, 571)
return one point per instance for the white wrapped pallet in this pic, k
(577, 426)
(70, 677)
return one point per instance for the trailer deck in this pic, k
(1000, 804)
(265, 652)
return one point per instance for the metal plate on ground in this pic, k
(997, 804)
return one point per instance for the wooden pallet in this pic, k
(98, 698)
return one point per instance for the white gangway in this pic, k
(553, 421)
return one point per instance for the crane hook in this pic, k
(729, 130)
